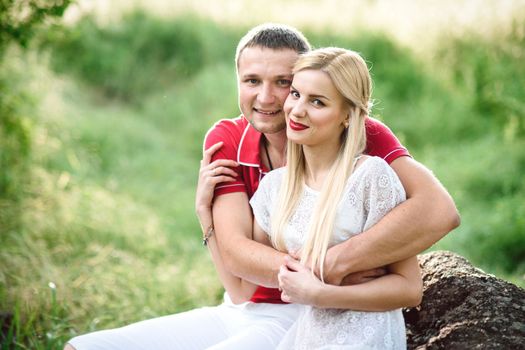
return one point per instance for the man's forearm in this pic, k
(242, 256)
(424, 218)
(404, 232)
(252, 261)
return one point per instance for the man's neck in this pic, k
(276, 144)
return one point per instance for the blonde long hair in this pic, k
(349, 73)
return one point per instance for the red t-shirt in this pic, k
(241, 143)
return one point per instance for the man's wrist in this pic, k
(205, 218)
(333, 272)
(207, 234)
(203, 211)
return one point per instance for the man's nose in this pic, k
(267, 94)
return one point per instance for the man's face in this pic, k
(264, 78)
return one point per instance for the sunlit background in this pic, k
(102, 117)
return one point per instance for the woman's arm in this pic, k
(209, 175)
(402, 287)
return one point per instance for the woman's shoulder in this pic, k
(375, 170)
(273, 177)
(368, 168)
(275, 173)
(371, 163)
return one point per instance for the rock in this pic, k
(464, 308)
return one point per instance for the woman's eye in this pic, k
(294, 93)
(318, 103)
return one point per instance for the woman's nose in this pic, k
(299, 109)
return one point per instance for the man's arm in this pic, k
(427, 215)
(210, 174)
(242, 256)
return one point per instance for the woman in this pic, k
(299, 208)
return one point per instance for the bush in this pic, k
(18, 23)
(139, 55)
(15, 140)
(492, 72)
(500, 241)
(16, 129)
(19, 20)
(393, 68)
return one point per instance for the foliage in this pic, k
(492, 72)
(18, 22)
(15, 138)
(20, 19)
(501, 240)
(137, 56)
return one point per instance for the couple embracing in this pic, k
(312, 210)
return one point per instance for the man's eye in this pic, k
(284, 82)
(252, 81)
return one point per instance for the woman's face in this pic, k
(315, 110)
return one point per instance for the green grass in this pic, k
(105, 211)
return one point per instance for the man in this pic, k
(264, 59)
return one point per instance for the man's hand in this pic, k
(363, 276)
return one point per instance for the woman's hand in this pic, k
(298, 284)
(331, 275)
(210, 174)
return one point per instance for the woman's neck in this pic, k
(318, 162)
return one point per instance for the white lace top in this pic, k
(370, 193)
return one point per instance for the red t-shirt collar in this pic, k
(248, 152)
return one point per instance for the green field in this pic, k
(100, 138)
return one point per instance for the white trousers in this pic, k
(227, 326)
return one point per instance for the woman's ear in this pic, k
(346, 122)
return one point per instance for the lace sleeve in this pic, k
(383, 191)
(262, 200)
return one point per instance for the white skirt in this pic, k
(346, 329)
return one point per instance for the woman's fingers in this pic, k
(294, 264)
(285, 297)
(281, 276)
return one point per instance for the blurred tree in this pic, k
(19, 20)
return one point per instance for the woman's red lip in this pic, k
(297, 126)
